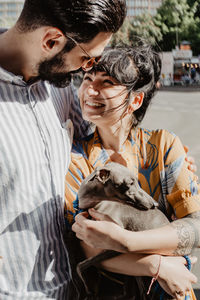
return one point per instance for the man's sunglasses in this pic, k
(90, 61)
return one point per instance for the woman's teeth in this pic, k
(94, 104)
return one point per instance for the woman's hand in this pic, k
(105, 234)
(191, 166)
(174, 277)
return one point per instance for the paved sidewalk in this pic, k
(178, 112)
(179, 88)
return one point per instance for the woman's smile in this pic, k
(99, 96)
(92, 104)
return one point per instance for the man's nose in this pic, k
(92, 91)
(85, 68)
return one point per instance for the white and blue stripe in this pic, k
(34, 157)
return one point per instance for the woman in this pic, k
(115, 96)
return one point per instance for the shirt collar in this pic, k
(9, 77)
(98, 155)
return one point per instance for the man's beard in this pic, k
(47, 71)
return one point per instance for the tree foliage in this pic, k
(142, 26)
(193, 30)
(197, 4)
(146, 27)
(123, 35)
(175, 21)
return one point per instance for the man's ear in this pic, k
(53, 41)
(136, 102)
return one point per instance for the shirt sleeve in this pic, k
(79, 169)
(183, 191)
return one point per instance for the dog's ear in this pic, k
(103, 175)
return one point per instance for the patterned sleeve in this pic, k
(79, 169)
(183, 191)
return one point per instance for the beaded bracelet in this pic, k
(188, 260)
(155, 277)
(189, 265)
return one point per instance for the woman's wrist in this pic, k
(155, 276)
(154, 265)
(122, 237)
(127, 238)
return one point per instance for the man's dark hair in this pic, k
(137, 68)
(80, 19)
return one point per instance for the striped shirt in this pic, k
(34, 157)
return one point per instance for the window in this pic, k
(11, 13)
(11, 6)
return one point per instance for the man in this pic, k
(50, 40)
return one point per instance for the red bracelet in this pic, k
(154, 277)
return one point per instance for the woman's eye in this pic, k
(108, 81)
(87, 78)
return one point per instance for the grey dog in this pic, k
(127, 204)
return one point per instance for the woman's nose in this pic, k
(92, 91)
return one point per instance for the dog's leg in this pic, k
(93, 261)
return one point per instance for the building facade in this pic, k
(138, 7)
(9, 11)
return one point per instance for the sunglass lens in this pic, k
(97, 59)
(90, 63)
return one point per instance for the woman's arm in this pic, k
(180, 237)
(177, 238)
(134, 264)
(173, 275)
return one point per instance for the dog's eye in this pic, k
(122, 187)
(132, 181)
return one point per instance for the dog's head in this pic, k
(113, 182)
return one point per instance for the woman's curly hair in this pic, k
(137, 68)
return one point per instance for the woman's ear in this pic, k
(136, 102)
(53, 41)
